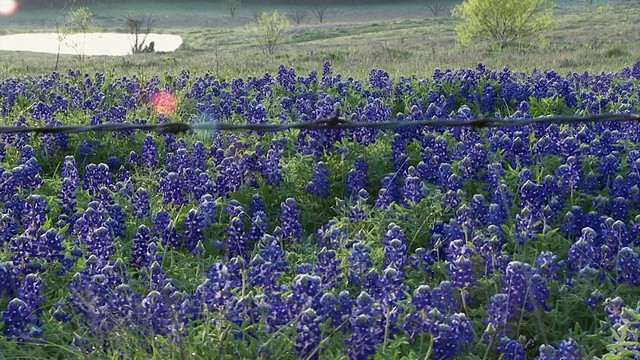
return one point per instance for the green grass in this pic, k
(401, 38)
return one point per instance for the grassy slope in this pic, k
(401, 38)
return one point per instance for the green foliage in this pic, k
(503, 21)
(268, 30)
(79, 21)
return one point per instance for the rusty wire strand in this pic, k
(334, 122)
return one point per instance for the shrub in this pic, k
(503, 21)
(268, 30)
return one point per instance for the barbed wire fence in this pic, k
(334, 122)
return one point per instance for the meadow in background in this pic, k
(417, 243)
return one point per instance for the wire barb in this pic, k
(334, 122)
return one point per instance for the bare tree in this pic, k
(232, 6)
(298, 15)
(139, 28)
(320, 11)
(436, 8)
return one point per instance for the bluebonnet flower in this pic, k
(489, 96)
(97, 176)
(116, 222)
(462, 273)
(207, 209)
(101, 244)
(569, 350)
(215, 292)
(267, 268)
(305, 291)
(236, 241)
(123, 309)
(395, 247)
(393, 291)
(619, 208)
(155, 312)
(527, 226)
(569, 175)
(511, 349)
(390, 191)
(34, 214)
(608, 169)
(157, 279)
(320, 184)
(336, 309)
(364, 337)
(171, 237)
(583, 251)
(331, 236)
(30, 292)
(199, 156)
(413, 188)
(194, 225)
(547, 265)
(272, 169)
(150, 157)
(8, 277)
(259, 226)
(422, 259)
(290, 220)
(358, 177)
(70, 183)
(256, 205)
(623, 320)
(235, 209)
(113, 162)
(8, 228)
(358, 210)
(595, 299)
(15, 318)
(452, 336)
(360, 262)
(160, 222)
(308, 340)
(50, 247)
(399, 155)
(182, 160)
(141, 207)
(173, 189)
(25, 251)
(26, 153)
(140, 247)
(525, 288)
(628, 267)
(498, 315)
(329, 268)
(515, 284)
(547, 352)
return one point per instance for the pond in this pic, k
(90, 44)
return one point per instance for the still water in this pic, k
(90, 44)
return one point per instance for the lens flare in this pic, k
(8, 7)
(164, 102)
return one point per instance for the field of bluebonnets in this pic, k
(418, 243)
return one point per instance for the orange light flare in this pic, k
(8, 7)
(164, 102)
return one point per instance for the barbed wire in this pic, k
(334, 122)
